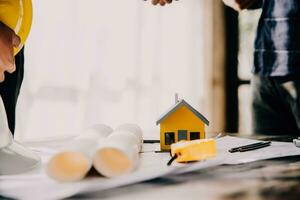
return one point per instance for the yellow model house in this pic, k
(181, 122)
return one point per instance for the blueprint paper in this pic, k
(36, 185)
(275, 150)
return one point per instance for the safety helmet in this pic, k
(17, 15)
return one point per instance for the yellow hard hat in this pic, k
(17, 15)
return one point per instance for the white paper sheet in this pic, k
(36, 185)
(275, 150)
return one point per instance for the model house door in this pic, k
(182, 135)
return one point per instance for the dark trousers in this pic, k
(10, 88)
(276, 105)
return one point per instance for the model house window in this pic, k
(182, 135)
(194, 135)
(169, 138)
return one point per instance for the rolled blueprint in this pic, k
(74, 160)
(136, 130)
(119, 153)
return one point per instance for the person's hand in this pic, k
(8, 40)
(161, 2)
(239, 5)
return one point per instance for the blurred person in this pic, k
(11, 67)
(276, 69)
(161, 2)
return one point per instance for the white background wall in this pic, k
(109, 61)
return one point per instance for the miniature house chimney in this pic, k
(176, 98)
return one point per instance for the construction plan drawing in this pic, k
(152, 165)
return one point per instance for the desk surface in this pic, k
(268, 179)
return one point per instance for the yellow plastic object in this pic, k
(17, 15)
(195, 150)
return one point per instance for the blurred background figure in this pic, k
(161, 2)
(276, 79)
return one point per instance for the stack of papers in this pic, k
(152, 165)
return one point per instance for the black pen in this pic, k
(246, 146)
(250, 147)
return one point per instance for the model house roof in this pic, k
(176, 106)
